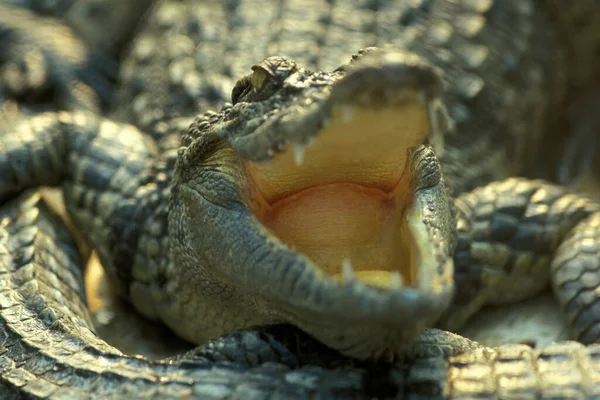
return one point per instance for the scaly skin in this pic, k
(42, 62)
(103, 25)
(71, 67)
(117, 183)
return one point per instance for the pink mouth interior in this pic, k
(344, 198)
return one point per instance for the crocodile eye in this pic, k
(241, 88)
(256, 82)
(259, 77)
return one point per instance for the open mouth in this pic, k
(343, 199)
(320, 201)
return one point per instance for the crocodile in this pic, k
(213, 230)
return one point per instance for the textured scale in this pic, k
(510, 232)
(61, 359)
(89, 18)
(502, 62)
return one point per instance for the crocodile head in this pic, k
(317, 199)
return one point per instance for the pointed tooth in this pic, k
(299, 154)
(365, 99)
(347, 271)
(347, 112)
(396, 280)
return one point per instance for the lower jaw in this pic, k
(346, 223)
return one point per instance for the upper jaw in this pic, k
(374, 80)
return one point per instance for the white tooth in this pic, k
(347, 113)
(299, 154)
(365, 99)
(347, 272)
(390, 94)
(422, 98)
(396, 281)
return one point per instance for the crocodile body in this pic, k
(164, 218)
(90, 19)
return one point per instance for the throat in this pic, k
(346, 223)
